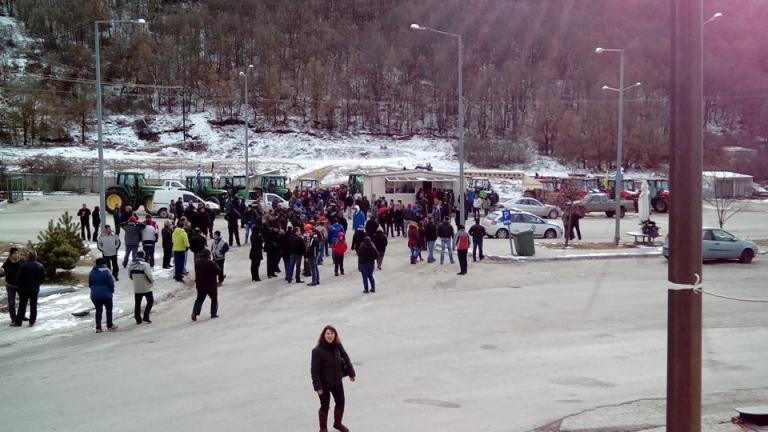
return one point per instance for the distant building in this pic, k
(726, 184)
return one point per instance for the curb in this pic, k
(507, 258)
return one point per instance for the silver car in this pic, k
(521, 221)
(533, 206)
(719, 244)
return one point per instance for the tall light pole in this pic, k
(462, 182)
(245, 129)
(102, 180)
(620, 140)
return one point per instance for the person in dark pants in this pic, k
(462, 247)
(219, 249)
(477, 232)
(31, 275)
(330, 364)
(272, 247)
(109, 245)
(117, 215)
(96, 219)
(296, 249)
(102, 288)
(180, 244)
(207, 275)
(141, 273)
(366, 260)
(85, 222)
(256, 254)
(167, 240)
(339, 248)
(10, 271)
(232, 217)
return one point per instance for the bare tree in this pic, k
(721, 192)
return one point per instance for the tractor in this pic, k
(310, 184)
(130, 190)
(659, 194)
(235, 185)
(202, 186)
(481, 185)
(275, 184)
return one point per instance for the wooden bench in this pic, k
(644, 238)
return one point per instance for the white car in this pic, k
(161, 201)
(533, 206)
(266, 201)
(521, 221)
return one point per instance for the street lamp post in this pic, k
(620, 139)
(245, 129)
(102, 180)
(462, 182)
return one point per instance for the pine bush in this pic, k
(60, 246)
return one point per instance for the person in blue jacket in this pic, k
(102, 286)
(334, 230)
(359, 219)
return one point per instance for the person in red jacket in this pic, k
(339, 248)
(413, 241)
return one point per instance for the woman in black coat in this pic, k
(330, 363)
(256, 255)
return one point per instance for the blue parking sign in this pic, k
(506, 217)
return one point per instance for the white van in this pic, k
(161, 203)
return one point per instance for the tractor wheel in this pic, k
(148, 202)
(115, 197)
(660, 206)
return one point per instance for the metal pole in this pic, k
(461, 137)
(246, 128)
(619, 151)
(685, 216)
(102, 182)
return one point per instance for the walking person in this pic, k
(219, 249)
(85, 222)
(149, 237)
(379, 240)
(207, 275)
(141, 273)
(330, 364)
(430, 233)
(132, 238)
(180, 242)
(366, 259)
(102, 287)
(109, 245)
(96, 219)
(31, 275)
(445, 232)
(232, 217)
(413, 242)
(256, 255)
(462, 243)
(10, 270)
(167, 242)
(339, 248)
(477, 232)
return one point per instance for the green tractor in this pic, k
(275, 184)
(130, 190)
(203, 187)
(235, 185)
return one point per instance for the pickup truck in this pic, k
(172, 184)
(265, 200)
(599, 202)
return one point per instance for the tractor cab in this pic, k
(481, 185)
(310, 184)
(274, 184)
(356, 184)
(234, 185)
(203, 187)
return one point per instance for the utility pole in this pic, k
(684, 304)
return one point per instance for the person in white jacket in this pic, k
(149, 237)
(143, 281)
(219, 248)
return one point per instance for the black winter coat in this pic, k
(430, 231)
(31, 275)
(380, 241)
(207, 275)
(357, 239)
(477, 231)
(256, 247)
(445, 230)
(327, 369)
(11, 271)
(272, 242)
(366, 253)
(167, 235)
(296, 245)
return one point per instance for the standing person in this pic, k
(413, 241)
(141, 273)
(339, 248)
(180, 246)
(430, 233)
(357, 238)
(358, 220)
(333, 232)
(272, 247)
(149, 237)
(366, 259)
(197, 244)
(371, 226)
(203, 220)
(478, 234)
(313, 254)
(132, 238)
(330, 364)
(96, 219)
(232, 217)
(249, 220)
(256, 255)
(10, 271)
(167, 242)
(172, 210)
(85, 222)
(577, 212)
(102, 288)
(179, 209)
(399, 219)
(117, 216)
(445, 232)
(211, 219)
(486, 205)
(296, 249)
(477, 203)
(31, 275)
(219, 249)
(109, 244)
(380, 241)
(462, 243)
(408, 215)
(207, 275)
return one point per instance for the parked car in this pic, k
(720, 244)
(759, 192)
(265, 200)
(533, 206)
(162, 201)
(521, 221)
(599, 202)
(172, 184)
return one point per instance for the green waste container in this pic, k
(524, 243)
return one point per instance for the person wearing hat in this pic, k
(133, 231)
(102, 287)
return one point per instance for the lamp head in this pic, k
(599, 50)
(242, 74)
(717, 15)
(605, 87)
(416, 27)
(250, 66)
(140, 21)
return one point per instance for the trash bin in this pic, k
(524, 243)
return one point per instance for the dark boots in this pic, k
(413, 260)
(323, 417)
(338, 413)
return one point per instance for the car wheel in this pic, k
(163, 213)
(553, 214)
(746, 256)
(550, 234)
(502, 234)
(610, 214)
